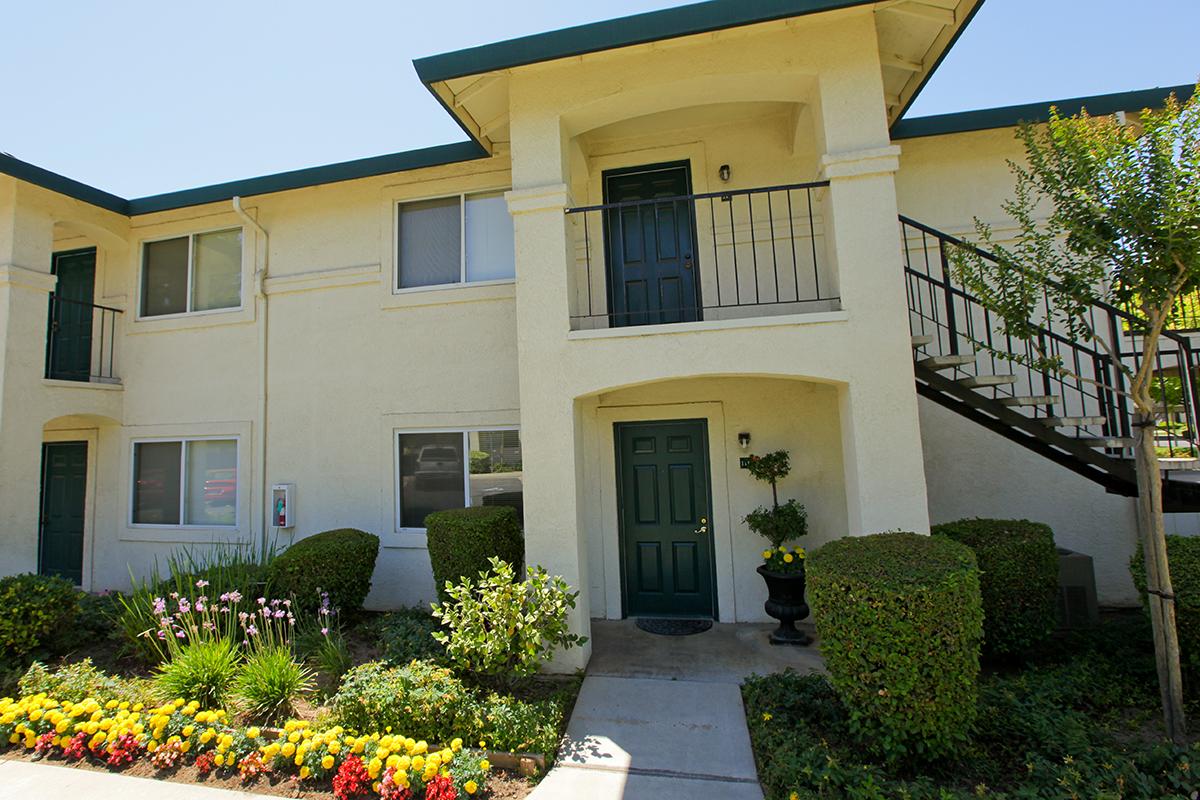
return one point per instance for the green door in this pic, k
(69, 354)
(651, 247)
(64, 486)
(666, 535)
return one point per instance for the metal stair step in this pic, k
(1030, 400)
(1104, 441)
(946, 362)
(1073, 422)
(985, 381)
(921, 340)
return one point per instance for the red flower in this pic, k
(390, 790)
(44, 744)
(440, 788)
(205, 763)
(77, 747)
(351, 780)
(123, 751)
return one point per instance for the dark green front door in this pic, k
(69, 354)
(64, 487)
(666, 530)
(651, 247)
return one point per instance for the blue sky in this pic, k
(143, 96)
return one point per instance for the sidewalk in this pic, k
(24, 780)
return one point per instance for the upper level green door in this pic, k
(69, 350)
(666, 527)
(64, 489)
(651, 246)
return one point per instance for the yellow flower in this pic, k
(304, 772)
(782, 549)
(471, 787)
(768, 553)
(456, 745)
(219, 760)
(334, 747)
(485, 765)
(788, 558)
(288, 749)
(327, 762)
(766, 717)
(253, 733)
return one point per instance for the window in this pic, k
(201, 272)
(185, 482)
(455, 469)
(462, 239)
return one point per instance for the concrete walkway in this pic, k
(25, 780)
(661, 717)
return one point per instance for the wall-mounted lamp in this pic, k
(724, 173)
(744, 440)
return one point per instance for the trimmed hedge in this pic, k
(1018, 580)
(1183, 560)
(36, 607)
(900, 621)
(461, 541)
(339, 562)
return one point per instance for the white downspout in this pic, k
(260, 300)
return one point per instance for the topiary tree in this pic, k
(1123, 228)
(900, 621)
(462, 540)
(779, 523)
(1018, 563)
(339, 562)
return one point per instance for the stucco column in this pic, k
(881, 435)
(26, 239)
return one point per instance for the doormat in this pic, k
(673, 627)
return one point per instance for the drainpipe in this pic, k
(260, 300)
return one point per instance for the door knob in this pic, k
(701, 529)
(687, 262)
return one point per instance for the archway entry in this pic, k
(663, 497)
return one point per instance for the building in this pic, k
(664, 233)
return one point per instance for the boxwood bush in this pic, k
(35, 607)
(1018, 565)
(339, 562)
(461, 541)
(420, 699)
(1183, 557)
(900, 622)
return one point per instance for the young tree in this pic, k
(1107, 210)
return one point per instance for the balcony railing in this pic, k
(721, 255)
(81, 341)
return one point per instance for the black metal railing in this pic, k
(721, 255)
(81, 341)
(1089, 385)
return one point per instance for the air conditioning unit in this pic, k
(1077, 606)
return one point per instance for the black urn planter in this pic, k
(785, 602)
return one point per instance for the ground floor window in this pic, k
(185, 482)
(439, 470)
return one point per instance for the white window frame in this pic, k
(191, 265)
(183, 440)
(465, 431)
(462, 247)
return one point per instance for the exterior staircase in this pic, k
(1080, 419)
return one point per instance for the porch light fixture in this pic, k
(744, 440)
(724, 173)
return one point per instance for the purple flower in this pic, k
(251, 630)
(287, 603)
(184, 606)
(235, 596)
(174, 595)
(200, 584)
(208, 626)
(262, 601)
(162, 635)
(242, 616)
(160, 606)
(279, 614)
(324, 631)
(180, 634)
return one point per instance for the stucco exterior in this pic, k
(325, 360)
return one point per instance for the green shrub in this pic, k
(35, 608)
(79, 680)
(420, 700)
(1018, 565)
(204, 672)
(500, 630)
(269, 683)
(480, 462)
(339, 562)
(461, 541)
(406, 635)
(1183, 558)
(523, 726)
(900, 622)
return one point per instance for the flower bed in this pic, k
(117, 734)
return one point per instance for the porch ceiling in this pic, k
(473, 84)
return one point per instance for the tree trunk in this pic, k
(1161, 596)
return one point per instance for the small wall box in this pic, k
(283, 505)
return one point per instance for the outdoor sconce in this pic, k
(744, 440)
(724, 173)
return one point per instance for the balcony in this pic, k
(667, 258)
(81, 341)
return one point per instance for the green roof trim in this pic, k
(30, 173)
(1011, 116)
(912, 98)
(652, 26)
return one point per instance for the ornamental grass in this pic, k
(119, 733)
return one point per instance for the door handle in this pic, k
(687, 262)
(703, 526)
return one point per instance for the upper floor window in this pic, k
(465, 238)
(185, 482)
(200, 272)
